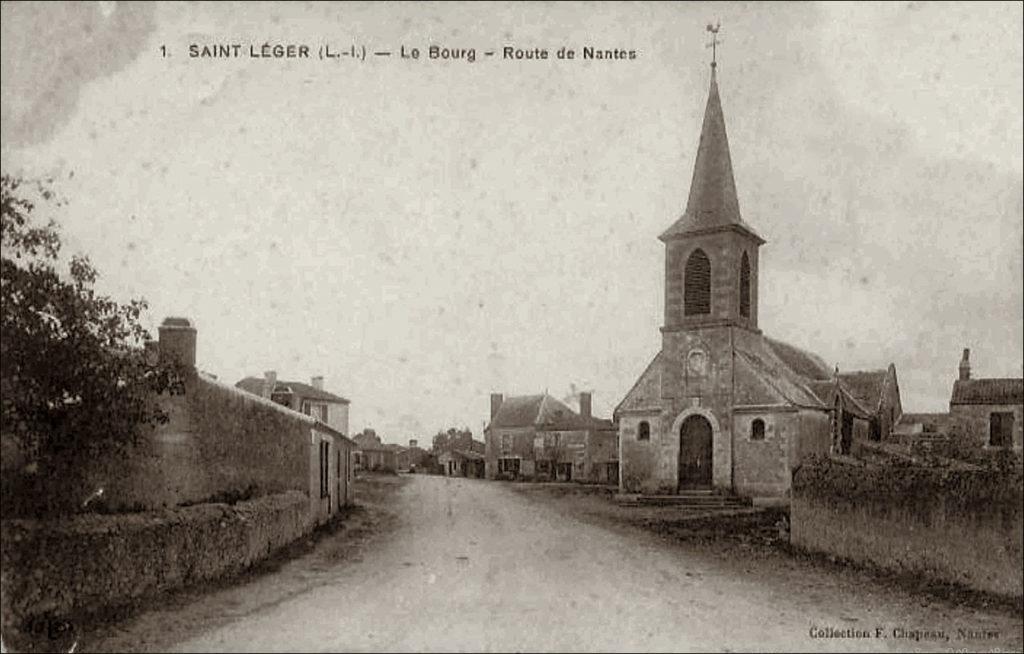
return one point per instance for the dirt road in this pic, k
(471, 565)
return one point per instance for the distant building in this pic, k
(371, 454)
(987, 411)
(462, 463)
(310, 399)
(984, 414)
(865, 405)
(539, 437)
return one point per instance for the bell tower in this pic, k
(711, 255)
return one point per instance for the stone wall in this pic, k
(220, 442)
(974, 421)
(955, 526)
(70, 567)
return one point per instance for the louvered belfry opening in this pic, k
(697, 285)
(745, 286)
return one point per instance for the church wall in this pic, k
(697, 372)
(639, 460)
(762, 467)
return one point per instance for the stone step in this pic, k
(701, 500)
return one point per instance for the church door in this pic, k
(695, 453)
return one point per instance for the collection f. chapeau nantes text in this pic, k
(430, 53)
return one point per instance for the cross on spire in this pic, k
(714, 41)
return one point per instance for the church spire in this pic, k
(712, 204)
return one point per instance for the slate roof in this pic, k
(542, 411)
(779, 378)
(826, 390)
(466, 454)
(712, 203)
(988, 391)
(254, 385)
(804, 363)
(866, 386)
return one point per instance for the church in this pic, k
(723, 406)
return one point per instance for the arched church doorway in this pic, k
(695, 453)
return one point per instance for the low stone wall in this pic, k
(960, 526)
(65, 568)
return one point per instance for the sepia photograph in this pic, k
(512, 326)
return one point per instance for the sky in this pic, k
(424, 232)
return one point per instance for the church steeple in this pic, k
(711, 255)
(712, 204)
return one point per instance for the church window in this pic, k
(757, 430)
(697, 285)
(745, 286)
(643, 432)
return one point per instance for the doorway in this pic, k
(695, 453)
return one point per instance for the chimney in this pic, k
(178, 341)
(496, 400)
(585, 404)
(317, 382)
(413, 443)
(269, 382)
(965, 365)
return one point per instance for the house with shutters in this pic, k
(722, 405)
(310, 399)
(537, 437)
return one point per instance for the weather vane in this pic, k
(714, 40)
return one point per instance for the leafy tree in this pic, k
(452, 439)
(75, 378)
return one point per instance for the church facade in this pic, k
(721, 406)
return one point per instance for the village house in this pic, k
(539, 437)
(865, 405)
(371, 453)
(462, 463)
(722, 405)
(984, 413)
(988, 411)
(310, 399)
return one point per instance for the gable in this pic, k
(646, 392)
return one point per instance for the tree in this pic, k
(75, 379)
(453, 439)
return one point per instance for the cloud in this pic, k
(51, 50)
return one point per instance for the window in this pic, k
(876, 430)
(508, 466)
(757, 430)
(745, 286)
(643, 432)
(697, 285)
(325, 462)
(1000, 430)
(506, 443)
(321, 412)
